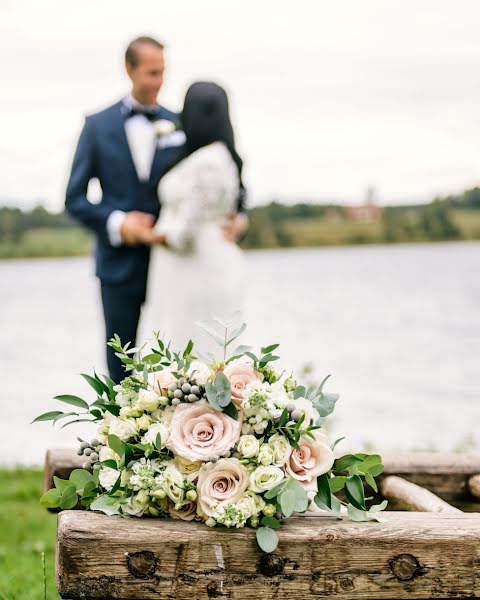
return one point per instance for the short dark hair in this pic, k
(131, 54)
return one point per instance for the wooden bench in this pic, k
(411, 555)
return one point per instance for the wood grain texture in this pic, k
(413, 497)
(409, 556)
(60, 462)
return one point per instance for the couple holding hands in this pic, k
(172, 206)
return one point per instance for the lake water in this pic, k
(397, 326)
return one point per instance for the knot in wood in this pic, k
(270, 565)
(405, 567)
(346, 583)
(142, 565)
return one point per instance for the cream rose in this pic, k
(313, 458)
(160, 380)
(198, 432)
(265, 478)
(240, 374)
(188, 512)
(108, 477)
(248, 446)
(265, 456)
(222, 482)
(188, 469)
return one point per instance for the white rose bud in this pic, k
(248, 446)
(144, 422)
(123, 428)
(265, 456)
(147, 400)
(281, 449)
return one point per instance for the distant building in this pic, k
(367, 212)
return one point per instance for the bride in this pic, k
(199, 272)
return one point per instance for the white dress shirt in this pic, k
(141, 140)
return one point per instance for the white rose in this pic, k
(123, 428)
(147, 400)
(265, 456)
(248, 446)
(106, 453)
(144, 422)
(188, 469)
(199, 372)
(124, 398)
(306, 408)
(281, 449)
(108, 477)
(151, 435)
(265, 478)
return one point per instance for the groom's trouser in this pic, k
(122, 304)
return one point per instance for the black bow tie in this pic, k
(151, 115)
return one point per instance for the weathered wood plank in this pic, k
(411, 496)
(409, 556)
(60, 462)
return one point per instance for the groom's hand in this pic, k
(137, 228)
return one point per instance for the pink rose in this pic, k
(240, 374)
(222, 482)
(198, 432)
(160, 380)
(313, 458)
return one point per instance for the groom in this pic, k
(127, 147)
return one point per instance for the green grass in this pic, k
(46, 242)
(26, 530)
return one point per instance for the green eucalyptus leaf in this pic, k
(61, 484)
(51, 499)
(80, 477)
(267, 539)
(287, 501)
(356, 514)
(271, 522)
(299, 392)
(68, 499)
(110, 463)
(106, 504)
(276, 490)
(325, 404)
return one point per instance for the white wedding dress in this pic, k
(200, 275)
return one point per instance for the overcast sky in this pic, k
(328, 97)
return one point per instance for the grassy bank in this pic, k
(26, 530)
(277, 226)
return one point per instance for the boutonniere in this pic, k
(164, 127)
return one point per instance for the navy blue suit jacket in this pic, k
(103, 153)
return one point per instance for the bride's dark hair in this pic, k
(205, 119)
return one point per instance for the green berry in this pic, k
(186, 387)
(195, 390)
(87, 451)
(192, 398)
(178, 394)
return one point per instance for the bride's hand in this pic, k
(235, 227)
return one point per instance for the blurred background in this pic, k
(359, 127)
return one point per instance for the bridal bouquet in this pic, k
(231, 442)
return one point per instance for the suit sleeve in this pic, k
(93, 216)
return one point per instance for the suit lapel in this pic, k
(161, 156)
(119, 138)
